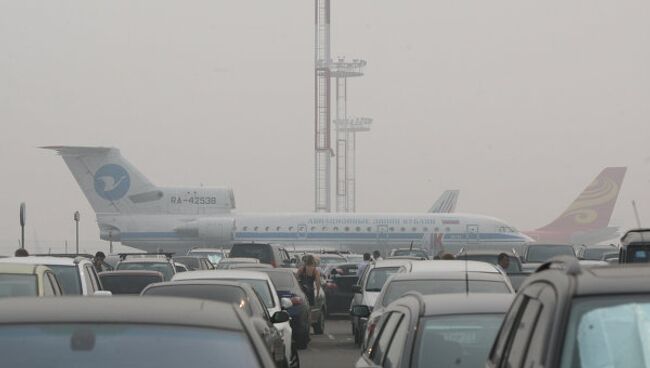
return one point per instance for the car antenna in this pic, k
(462, 250)
(411, 247)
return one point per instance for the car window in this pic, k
(163, 267)
(262, 252)
(282, 280)
(538, 342)
(377, 277)
(383, 339)
(541, 253)
(523, 330)
(63, 345)
(48, 289)
(17, 285)
(428, 287)
(221, 293)
(68, 277)
(127, 284)
(394, 354)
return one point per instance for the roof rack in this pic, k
(570, 265)
(66, 255)
(167, 255)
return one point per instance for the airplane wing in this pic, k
(446, 203)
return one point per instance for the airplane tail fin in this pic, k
(446, 203)
(109, 182)
(594, 206)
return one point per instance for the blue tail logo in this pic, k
(112, 182)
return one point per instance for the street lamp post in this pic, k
(23, 220)
(77, 217)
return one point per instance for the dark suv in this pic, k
(272, 254)
(566, 315)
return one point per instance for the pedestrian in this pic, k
(376, 256)
(504, 261)
(98, 261)
(447, 256)
(21, 252)
(309, 279)
(363, 264)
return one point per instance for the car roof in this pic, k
(472, 303)
(18, 268)
(453, 265)
(199, 282)
(239, 260)
(118, 273)
(442, 275)
(145, 260)
(485, 252)
(119, 309)
(38, 260)
(220, 274)
(613, 279)
(216, 250)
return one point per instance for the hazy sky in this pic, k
(517, 103)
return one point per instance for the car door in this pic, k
(377, 352)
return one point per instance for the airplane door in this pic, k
(301, 231)
(382, 234)
(472, 234)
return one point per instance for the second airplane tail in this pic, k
(594, 206)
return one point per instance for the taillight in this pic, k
(296, 300)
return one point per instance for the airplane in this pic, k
(132, 210)
(446, 203)
(586, 220)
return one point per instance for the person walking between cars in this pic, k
(363, 264)
(504, 261)
(98, 261)
(309, 279)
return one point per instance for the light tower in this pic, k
(322, 145)
(347, 184)
(346, 130)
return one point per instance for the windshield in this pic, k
(113, 345)
(17, 285)
(214, 257)
(262, 288)
(282, 280)
(541, 253)
(220, 293)
(378, 276)
(331, 260)
(638, 254)
(165, 268)
(427, 287)
(608, 332)
(513, 265)
(262, 252)
(461, 341)
(408, 252)
(127, 284)
(68, 278)
(595, 254)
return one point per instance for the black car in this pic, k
(338, 287)
(195, 263)
(635, 247)
(272, 254)
(443, 330)
(128, 282)
(240, 295)
(566, 315)
(127, 332)
(534, 254)
(303, 315)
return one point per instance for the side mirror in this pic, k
(356, 289)
(280, 317)
(102, 293)
(361, 311)
(286, 303)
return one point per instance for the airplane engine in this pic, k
(217, 230)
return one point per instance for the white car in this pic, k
(261, 283)
(77, 276)
(369, 285)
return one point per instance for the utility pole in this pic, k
(77, 217)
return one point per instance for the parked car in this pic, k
(338, 287)
(148, 262)
(534, 254)
(214, 255)
(28, 280)
(77, 276)
(273, 254)
(595, 252)
(635, 246)
(326, 261)
(442, 330)
(566, 315)
(195, 263)
(260, 282)
(433, 283)
(242, 296)
(370, 283)
(303, 315)
(127, 332)
(129, 282)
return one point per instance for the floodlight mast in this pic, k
(323, 149)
